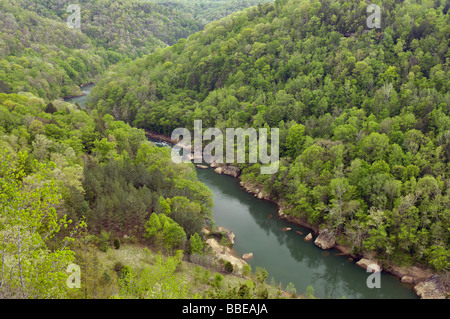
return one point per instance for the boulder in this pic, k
(325, 240)
(365, 263)
(431, 288)
(286, 228)
(228, 170)
(407, 280)
(308, 237)
(214, 165)
(247, 256)
(202, 166)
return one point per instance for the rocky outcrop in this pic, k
(366, 263)
(325, 240)
(431, 288)
(225, 253)
(407, 280)
(247, 256)
(257, 192)
(228, 170)
(214, 164)
(309, 237)
(228, 233)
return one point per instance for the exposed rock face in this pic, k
(407, 280)
(431, 288)
(365, 263)
(228, 170)
(247, 256)
(228, 233)
(214, 164)
(325, 240)
(225, 253)
(255, 191)
(308, 237)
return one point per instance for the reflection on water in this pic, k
(81, 100)
(284, 254)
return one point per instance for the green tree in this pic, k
(295, 140)
(196, 244)
(29, 269)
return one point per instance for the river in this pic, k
(81, 100)
(284, 254)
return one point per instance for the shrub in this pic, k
(118, 266)
(228, 267)
(116, 243)
(218, 280)
(104, 241)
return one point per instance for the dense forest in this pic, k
(364, 114)
(207, 11)
(82, 189)
(62, 166)
(41, 55)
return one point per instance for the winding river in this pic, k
(284, 254)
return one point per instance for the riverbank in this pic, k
(425, 282)
(421, 280)
(158, 136)
(81, 92)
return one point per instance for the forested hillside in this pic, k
(364, 114)
(77, 189)
(206, 11)
(41, 55)
(80, 189)
(64, 172)
(129, 28)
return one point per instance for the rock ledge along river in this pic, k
(285, 254)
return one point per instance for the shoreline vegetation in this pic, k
(424, 281)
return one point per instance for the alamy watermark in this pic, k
(374, 280)
(74, 20)
(74, 279)
(373, 20)
(258, 147)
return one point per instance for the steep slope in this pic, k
(363, 113)
(40, 54)
(130, 28)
